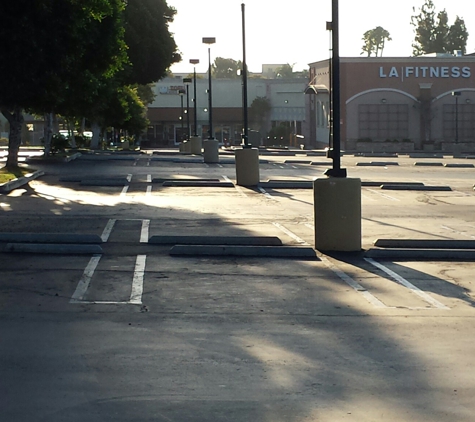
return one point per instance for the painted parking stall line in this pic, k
(137, 282)
(144, 232)
(401, 280)
(108, 230)
(83, 285)
(341, 274)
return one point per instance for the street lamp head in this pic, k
(194, 61)
(209, 40)
(456, 93)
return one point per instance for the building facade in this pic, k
(169, 120)
(421, 103)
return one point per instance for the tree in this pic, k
(285, 71)
(49, 43)
(374, 41)
(259, 109)
(151, 47)
(458, 36)
(433, 33)
(226, 68)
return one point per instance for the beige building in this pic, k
(421, 103)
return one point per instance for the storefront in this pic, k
(417, 103)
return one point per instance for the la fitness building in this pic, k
(417, 103)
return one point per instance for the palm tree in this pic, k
(374, 41)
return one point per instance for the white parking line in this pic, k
(396, 277)
(85, 280)
(149, 178)
(124, 190)
(238, 188)
(144, 232)
(149, 190)
(108, 229)
(267, 195)
(291, 234)
(458, 232)
(354, 284)
(391, 198)
(137, 283)
(345, 277)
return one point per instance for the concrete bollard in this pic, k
(196, 145)
(247, 166)
(211, 151)
(185, 147)
(337, 211)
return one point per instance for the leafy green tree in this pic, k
(433, 33)
(50, 42)
(151, 46)
(259, 109)
(285, 71)
(226, 68)
(458, 36)
(375, 40)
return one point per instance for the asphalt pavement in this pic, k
(130, 330)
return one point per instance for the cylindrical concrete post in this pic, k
(195, 145)
(247, 166)
(211, 151)
(185, 147)
(337, 207)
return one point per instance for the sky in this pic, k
(294, 32)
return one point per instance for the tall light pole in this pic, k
(335, 152)
(245, 133)
(181, 93)
(209, 41)
(195, 115)
(187, 82)
(456, 94)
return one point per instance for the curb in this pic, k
(59, 238)
(425, 243)
(422, 254)
(247, 251)
(216, 240)
(16, 183)
(50, 248)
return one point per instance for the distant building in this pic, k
(167, 128)
(397, 102)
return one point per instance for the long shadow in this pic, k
(241, 339)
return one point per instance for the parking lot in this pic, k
(133, 332)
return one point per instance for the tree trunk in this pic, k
(96, 130)
(15, 119)
(72, 139)
(48, 131)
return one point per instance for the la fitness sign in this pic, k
(406, 72)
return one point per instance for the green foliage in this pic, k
(226, 68)
(433, 33)
(151, 47)
(82, 141)
(285, 71)
(259, 108)
(279, 135)
(59, 143)
(374, 41)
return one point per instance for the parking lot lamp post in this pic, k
(195, 113)
(181, 93)
(335, 152)
(456, 94)
(187, 82)
(209, 41)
